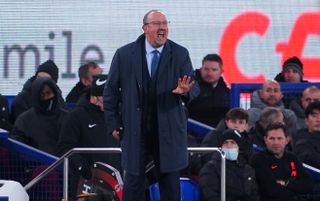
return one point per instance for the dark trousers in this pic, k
(169, 182)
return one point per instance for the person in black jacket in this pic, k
(280, 175)
(240, 177)
(307, 142)
(213, 101)
(40, 125)
(268, 116)
(4, 114)
(85, 126)
(236, 118)
(85, 73)
(23, 101)
(292, 72)
(309, 95)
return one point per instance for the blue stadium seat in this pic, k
(189, 191)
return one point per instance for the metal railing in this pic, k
(65, 159)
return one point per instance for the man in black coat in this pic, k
(307, 142)
(309, 95)
(148, 83)
(240, 177)
(85, 126)
(213, 101)
(23, 101)
(280, 175)
(85, 73)
(40, 125)
(236, 118)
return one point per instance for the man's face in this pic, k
(313, 121)
(276, 142)
(91, 72)
(237, 124)
(309, 97)
(46, 93)
(156, 29)
(291, 75)
(211, 71)
(271, 93)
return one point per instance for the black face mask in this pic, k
(47, 105)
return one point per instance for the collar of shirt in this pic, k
(149, 54)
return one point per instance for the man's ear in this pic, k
(288, 139)
(264, 139)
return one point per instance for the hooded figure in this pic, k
(240, 177)
(40, 125)
(23, 101)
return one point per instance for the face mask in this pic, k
(47, 104)
(231, 153)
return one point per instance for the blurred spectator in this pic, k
(236, 118)
(307, 142)
(40, 125)
(85, 73)
(292, 71)
(4, 114)
(213, 101)
(269, 115)
(309, 95)
(270, 95)
(240, 177)
(23, 101)
(85, 126)
(280, 175)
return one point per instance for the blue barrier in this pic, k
(198, 129)
(238, 88)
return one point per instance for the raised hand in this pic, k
(184, 85)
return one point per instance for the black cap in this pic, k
(97, 85)
(51, 68)
(231, 134)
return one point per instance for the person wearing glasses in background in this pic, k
(149, 82)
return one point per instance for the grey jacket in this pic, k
(257, 105)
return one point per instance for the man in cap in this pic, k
(85, 126)
(240, 177)
(292, 71)
(22, 101)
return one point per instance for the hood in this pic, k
(221, 126)
(37, 86)
(27, 86)
(257, 102)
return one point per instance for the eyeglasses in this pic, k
(158, 23)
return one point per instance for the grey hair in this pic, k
(268, 115)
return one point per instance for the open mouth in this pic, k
(161, 34)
